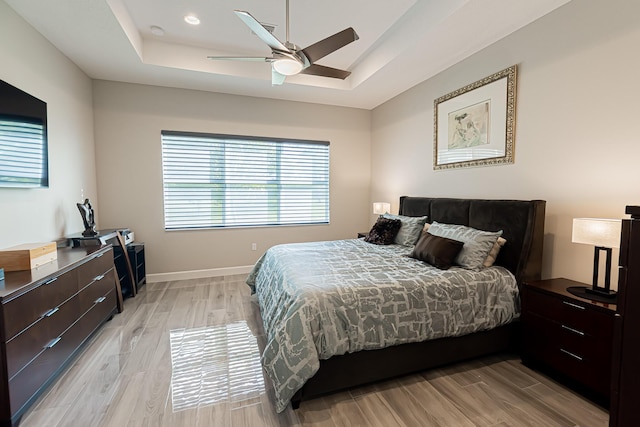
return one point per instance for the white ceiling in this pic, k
(402, 42)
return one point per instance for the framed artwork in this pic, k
(474, 125)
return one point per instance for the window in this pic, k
(237, 181)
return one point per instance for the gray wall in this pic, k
(576, 128)
(29, 62)
(128, 122)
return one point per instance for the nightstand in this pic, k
(568, 336)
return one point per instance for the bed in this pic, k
(344, 313)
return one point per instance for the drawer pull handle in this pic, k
(100, 277)
(50, 281)
(575, 356)
(575, 331)
(573, 305)
(50, 312)
(99, 300)
(53, 342)
(99, 255)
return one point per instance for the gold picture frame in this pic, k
(474, 125)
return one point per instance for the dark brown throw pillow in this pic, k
(437, 251)
(383, 231)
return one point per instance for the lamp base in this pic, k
(583, 292)
(606, 293)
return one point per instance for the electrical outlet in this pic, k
(254, 246)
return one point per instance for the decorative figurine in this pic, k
(86, 211)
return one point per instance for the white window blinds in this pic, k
(236, 181)
(23, 154)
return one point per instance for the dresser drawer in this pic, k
(101, 310)
(30, 307)
(571, 313)
(31, 342)
(28, 381)
(96, 267)
(97, 289)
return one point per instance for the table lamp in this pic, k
(604, 234)
(380, 208)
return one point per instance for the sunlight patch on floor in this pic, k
(214, 364)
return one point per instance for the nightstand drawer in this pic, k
(572, 314)
(588, 368)
(586, 347)
(571, 337)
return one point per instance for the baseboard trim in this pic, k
(198, 274)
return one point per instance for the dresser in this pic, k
(568, 335)
(46, 314)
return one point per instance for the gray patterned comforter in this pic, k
(323, 299)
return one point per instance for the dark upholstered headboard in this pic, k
(521, 222)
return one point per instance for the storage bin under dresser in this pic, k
(46, 315)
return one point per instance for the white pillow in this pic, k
(477, 243)
(493, 253)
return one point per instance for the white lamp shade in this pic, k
(287, 66)
(380, 208)
(597, 232)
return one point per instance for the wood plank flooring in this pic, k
(185, 353)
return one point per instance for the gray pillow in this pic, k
(477, 243)
(410, 230)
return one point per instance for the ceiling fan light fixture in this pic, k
(287, 66)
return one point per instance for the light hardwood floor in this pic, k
(186, 353)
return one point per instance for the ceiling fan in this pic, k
(288, 59)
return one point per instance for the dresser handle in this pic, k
(99, 255)
(50, 312)
(99, 300)
(575, 331)
(50, 281)
(100, 277)
(573, 305)
(53, 342)
(575, 356)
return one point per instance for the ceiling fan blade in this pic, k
(261, 31)
(321, 70)
(330, 44)
(242, 58)
(276, 78)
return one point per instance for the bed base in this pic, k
(364, 367)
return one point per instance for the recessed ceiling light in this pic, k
(192, 19)
(156, 31)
